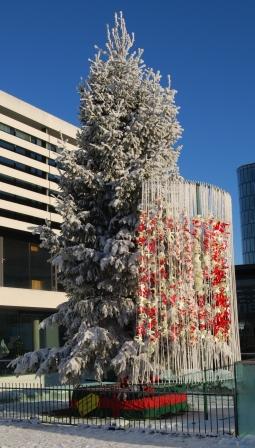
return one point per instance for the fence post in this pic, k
(205, 396)
(235, 405)
(70, 407)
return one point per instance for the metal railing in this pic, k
(164, 408)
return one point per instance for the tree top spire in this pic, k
(119, 40)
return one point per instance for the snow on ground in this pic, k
(37, 435)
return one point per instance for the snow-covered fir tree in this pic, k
(128, 133)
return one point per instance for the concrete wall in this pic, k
(31, 298)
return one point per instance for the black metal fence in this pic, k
(165, 408)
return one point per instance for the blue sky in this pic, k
(207, 46)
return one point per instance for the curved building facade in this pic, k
(246, 181)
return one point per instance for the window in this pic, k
(40, 267)
(37, 172)
(24, 218)
(26, 265)
(8, 129)
(53, 178)
(38, 157)
(22, 184)
(41, 143)
(52, 162)
(17, 330)
(52, 209)
(52, 147)
(22, 151)
(38, 141)
(7, 162)
(23, 201)
(21, 167)
(34, 248)
(16, 263)
(7, 145)
(36, 284)
(22, 135)
(4, 128)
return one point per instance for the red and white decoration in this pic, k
(186, 309)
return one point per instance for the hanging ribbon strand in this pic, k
(186, 306)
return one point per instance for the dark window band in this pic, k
(26, 218)
(21, 167)
(29, 138)
(25, 201)
(22, 184)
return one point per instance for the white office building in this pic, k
(29, 138)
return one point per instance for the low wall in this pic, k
(39, 381)
(22, 380)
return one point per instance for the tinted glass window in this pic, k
(53, 178)
(8, 129)
(52, 162)
(40, 268)
(16, 263)
(26, 265)
(20, 150)
(7, 145)
(22, 135)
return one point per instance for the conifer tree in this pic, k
(128, 133)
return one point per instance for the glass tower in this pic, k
(246, 181)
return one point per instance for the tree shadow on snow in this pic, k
(124, 436)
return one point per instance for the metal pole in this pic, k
(199, 212)
(205, 396)
(1, 261)
(236, 404)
